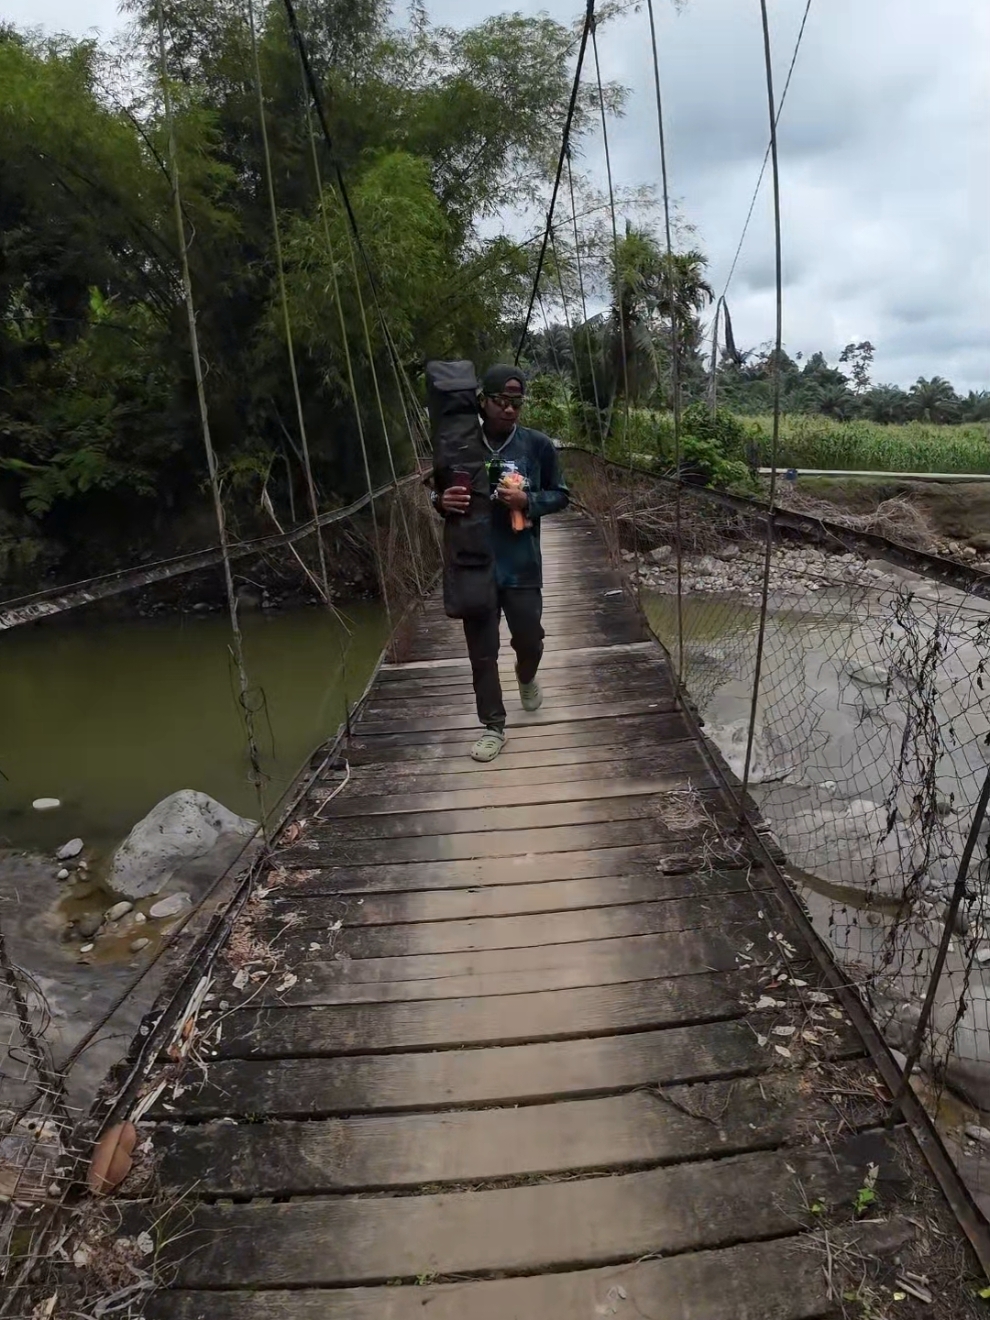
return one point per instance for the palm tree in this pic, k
(650, 291)
(976, 406)
(837, 401)
(886, 404)
(933, 400)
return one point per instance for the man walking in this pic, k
(526, 481)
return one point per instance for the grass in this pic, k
(819, 442)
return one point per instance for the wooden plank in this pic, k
(505, 843)
(544, 1227)
(777, 1280)
(493, 972)
(676, 810)
(638, 1128)
(622, 859)
(384, 909)
(469, 799)
(549, 713)
(582, 691)
(443, 743)
(271, 1033)
(593, 636)
(558, 666)
(724, 911)
(610, 764)
(453, 759)
(552, 660)
(502, 1075)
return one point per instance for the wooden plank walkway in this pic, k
(540, 1045)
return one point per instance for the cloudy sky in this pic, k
(885, 161)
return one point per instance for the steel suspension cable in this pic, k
(586, 31)
(257, 777)
(382, 416)
(584, 306)
(675, 347)
(766, 155)
(286, 318)
(778, 347)
(309, 78)
(349, 367)
(623, 347)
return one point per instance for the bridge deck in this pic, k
(565, 1056)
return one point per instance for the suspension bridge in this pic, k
(553, 1037)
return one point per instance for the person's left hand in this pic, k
(513, 498)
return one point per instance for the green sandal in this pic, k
(488, 745)
(530, 695)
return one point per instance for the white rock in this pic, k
(170, 906)
(138, 945)
(183, 827)
(71, 849)
(118, 910)
(661, 554)
(63, 874)
(86, 948)
(46, 804)
(139, 918)
(977, 1133)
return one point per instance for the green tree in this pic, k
(933, 400)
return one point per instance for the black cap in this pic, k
(497, 377)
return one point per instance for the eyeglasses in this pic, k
(507, 401)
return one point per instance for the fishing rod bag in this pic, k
(469, 590)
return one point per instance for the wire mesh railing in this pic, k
(870, 747)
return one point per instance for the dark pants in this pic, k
(523, 608)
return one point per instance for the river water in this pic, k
(111, 716)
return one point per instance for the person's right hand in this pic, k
(455, 499)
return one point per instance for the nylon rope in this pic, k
(675, 371)
(778, 346)
(588, 29)
(237, 648)
(286, 318)
(618, 288)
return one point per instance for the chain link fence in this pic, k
(871, 744)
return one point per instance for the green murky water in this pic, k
(112, 716)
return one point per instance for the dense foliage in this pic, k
(434, 130)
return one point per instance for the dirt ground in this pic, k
(957, 514)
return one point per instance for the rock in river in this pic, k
(170, 906)
(184, 827)
(88, 925)
(119, 910)
(71, 849)
(46, 804)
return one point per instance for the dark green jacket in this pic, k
(518, 562)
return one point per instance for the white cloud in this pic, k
(885, 161)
